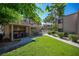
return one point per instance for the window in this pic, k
(60, 30)
(59, 21)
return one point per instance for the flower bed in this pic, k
(65, 36)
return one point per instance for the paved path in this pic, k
(14, 46)
(69, 42)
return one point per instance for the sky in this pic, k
(69, 9)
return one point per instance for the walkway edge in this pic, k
(69, 42)
(17, 45)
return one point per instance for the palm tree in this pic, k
(57, 11)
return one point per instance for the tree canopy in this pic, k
(49, 18)
(56, 9)
(10, 12)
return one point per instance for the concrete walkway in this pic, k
(69, 42)
(14, 46)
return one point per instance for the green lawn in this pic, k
(45, 46)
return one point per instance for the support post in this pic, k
(26, 29)
(30, 30)
(12, 39)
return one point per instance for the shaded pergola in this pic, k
(10, 28)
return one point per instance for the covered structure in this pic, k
(13, 31)
(19, 29)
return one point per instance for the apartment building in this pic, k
(47, 26)
(70, 23)
(20, 29)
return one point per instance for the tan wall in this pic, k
(77, 24)
(7, 31)
(60, 25)
(69, 23)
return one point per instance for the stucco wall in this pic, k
(77, 24)
(7, 31)
(69, 23)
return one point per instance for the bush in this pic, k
(66, 34)
(73, 37)
(49, 32)
(53, 32)
(61, 34)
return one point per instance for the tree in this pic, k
(11, 12)
(57, 11)
(49, 18)
(36, 18)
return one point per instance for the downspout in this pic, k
(12, 39)
(63, 24)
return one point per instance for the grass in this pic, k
(45, 46)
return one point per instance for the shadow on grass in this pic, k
(8, 49)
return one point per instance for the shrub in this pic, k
(61, 34)
(53, 32)
(73, 37)
(55, 27)
(49, 32)
(66, 34)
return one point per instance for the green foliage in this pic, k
(73, 37)
(50, 32)
(53, 32)
(45, 46)
(36, 19)
(10, 12)
(54, 27)
(61, 34)
(59, 7)
(8, 15)
(66, 34)
(56, 9)
(49, 18)
(47, 8)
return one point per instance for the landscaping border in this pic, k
(69, 42)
